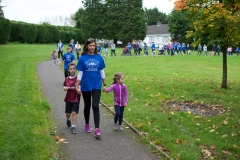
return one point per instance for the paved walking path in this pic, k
(84, 146)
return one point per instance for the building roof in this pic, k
(158, 29)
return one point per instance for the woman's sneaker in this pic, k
(87, 128)
(115, 126)
(120, 127)
(97, 132)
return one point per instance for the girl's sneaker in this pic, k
(97, 132)
(115, 126)
(87, 128)
(120, 127)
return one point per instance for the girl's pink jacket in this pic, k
(120, 93)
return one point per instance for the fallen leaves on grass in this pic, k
(206, 153)
(178, 141)
(139, 125)
(233, 134)
(235, 146)
(144, 133)
(224, 136)
(164, 149)
(212, 147)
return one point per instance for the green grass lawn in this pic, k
(154, 81)
(26, 121)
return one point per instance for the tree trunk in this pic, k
(224, 76)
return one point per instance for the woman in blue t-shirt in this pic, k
(90, 78)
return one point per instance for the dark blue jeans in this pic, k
(119, 110)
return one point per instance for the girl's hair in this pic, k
(71, 64)
(116, 77)
(85, 49)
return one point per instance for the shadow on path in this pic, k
(84, 146)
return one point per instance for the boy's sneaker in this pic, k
(97, 132)
(115, 126)
(69, 123)
(120, 127)
(74, 130)
(87, 128)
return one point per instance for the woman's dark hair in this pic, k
(85, 49)
(116, 77)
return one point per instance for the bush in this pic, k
(23, 32)
(42, 33)
(5, 28)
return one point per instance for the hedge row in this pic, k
(12, 31)
(5, 29)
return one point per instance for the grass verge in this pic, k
(26, 121)
(153, 81)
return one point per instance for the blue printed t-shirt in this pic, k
(67, 58)
(91, 66)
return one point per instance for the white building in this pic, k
(158, 34)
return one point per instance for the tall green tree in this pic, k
(93, 19)
(220, 20)
(178, 25)
(113, 19)
(154, 15)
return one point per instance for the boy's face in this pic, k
(72, 70)
(69, 50)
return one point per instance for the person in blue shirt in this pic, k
(66, 59)
(145, 47)
(179, 48)
(91, 75)
(184, 48)
(153, 47)
(165, 49)
(237, 50)
(136, 49)
(172, 49)
(129, 48)
(99, 49)
(214, 47)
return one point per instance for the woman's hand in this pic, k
(125, 104)
(78, 91)
(104, 88)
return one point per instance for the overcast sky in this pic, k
(33, 11)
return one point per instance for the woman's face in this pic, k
(91, 47)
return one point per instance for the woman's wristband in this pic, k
(104, 84)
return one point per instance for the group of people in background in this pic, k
(136, 47)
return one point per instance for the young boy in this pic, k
(72, 98)
(66, 59)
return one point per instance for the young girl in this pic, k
(54, 56)
(72, 98)
(120, 99)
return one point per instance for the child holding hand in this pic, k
(120, 99)
(72, 98)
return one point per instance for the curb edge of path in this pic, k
(137, 132)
